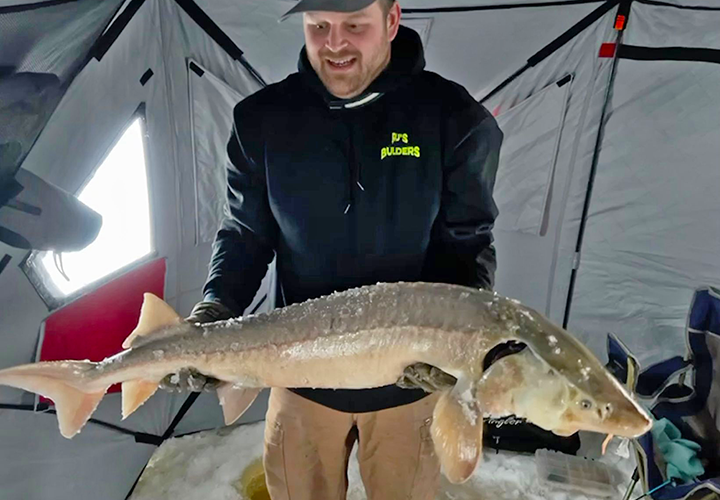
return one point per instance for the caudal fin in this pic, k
(62, 382)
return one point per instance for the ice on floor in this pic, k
(209, 465)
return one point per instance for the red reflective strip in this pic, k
(607, 50)
(620, 22)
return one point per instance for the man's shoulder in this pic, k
(276, 94)
(453, 95)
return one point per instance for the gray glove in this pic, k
(189, 379)
(208, 312)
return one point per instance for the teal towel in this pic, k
(679, 454)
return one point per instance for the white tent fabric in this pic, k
(212, 103)
(651, 234)
(653, 231)
(528, 156)
(535, 268)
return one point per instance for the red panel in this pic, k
(607, 50)
(94, 326)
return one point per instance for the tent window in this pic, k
(118, 191)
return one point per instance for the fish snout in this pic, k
(626, 419)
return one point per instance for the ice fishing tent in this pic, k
(604, 228)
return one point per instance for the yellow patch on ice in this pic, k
(251, 484)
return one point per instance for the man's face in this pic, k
(349, 50)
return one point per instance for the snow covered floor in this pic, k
(208, 466)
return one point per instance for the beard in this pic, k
(352, 81)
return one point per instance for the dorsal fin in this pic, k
(154, 315)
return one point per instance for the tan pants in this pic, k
(307, 448)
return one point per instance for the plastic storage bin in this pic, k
(567, 472)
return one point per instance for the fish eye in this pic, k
(586, 404)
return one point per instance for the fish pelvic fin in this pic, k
(62, 383)
(457, 435)
(155, 314)
(235, 400)
(135, 393)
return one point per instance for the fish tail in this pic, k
(63, 383)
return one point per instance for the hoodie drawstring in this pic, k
(354, 167)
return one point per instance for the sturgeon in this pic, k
(362, 338)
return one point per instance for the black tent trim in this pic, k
(32, 6)
(196, 69)
(636, 53)
(146, 76)
(4, 262)
(546, 51)
(658, 3)
(195, 13)
(140, 437)
(213, 30)
(445, 10)
(104, 43)
(218, 35)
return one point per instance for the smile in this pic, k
(341, 64)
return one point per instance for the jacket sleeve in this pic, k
(245, 242)
(461, 248)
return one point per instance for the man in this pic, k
(359, 168)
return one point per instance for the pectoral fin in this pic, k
(457, 435)
(235, 400)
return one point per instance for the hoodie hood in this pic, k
(407, 60)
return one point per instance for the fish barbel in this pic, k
(357, 339)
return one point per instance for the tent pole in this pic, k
(625, 6)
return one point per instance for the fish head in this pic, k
(550, 401)
(594, 399)
(608, 412)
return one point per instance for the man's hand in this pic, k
(207, 312)
(189, 379)
(426, 377)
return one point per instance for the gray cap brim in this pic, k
(327, 6)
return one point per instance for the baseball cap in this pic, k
(328, 5)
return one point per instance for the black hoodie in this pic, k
(393, 185)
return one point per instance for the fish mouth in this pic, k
(629, 427)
